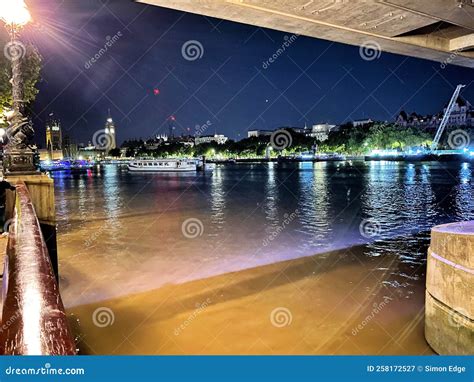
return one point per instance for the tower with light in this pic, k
(110, 131)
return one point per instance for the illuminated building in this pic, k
(54, 139)
(110, 132)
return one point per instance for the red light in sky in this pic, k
(172, 118)
(156, 91)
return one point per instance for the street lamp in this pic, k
(18, 155)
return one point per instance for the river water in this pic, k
(338, 241)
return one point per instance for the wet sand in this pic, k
(342, 302)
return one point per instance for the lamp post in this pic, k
(18, 155)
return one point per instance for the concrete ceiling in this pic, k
(438, 30)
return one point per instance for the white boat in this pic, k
(163, 165)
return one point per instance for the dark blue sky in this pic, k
(313, 81)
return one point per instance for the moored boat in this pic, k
(66, 165)
(163, 165)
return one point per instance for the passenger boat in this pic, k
(163, 165)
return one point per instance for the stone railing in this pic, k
(33, 318)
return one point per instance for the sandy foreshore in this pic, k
(342, 302)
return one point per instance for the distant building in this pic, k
(219, 138)
(91, 152)
(417, 120)
(54, 139)
(361, 122)
(259, 133)
(69, 147)
(461, 115)
(320, 131)
(110, 131)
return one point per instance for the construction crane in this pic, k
(446, 115)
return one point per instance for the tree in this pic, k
(114, 152)
(31, 67)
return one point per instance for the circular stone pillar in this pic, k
(449, 312)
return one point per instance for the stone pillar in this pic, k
(41, 190)
(449, 312)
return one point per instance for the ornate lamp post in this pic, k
(18, 155)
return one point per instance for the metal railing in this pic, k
(33, 318)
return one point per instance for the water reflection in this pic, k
(314, 206)
(218, 199)
(464, 193)
(136, 219)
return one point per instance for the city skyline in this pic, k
(232, 83)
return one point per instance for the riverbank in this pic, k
(341, 302)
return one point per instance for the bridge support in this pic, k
(41, 190)
(449, 314)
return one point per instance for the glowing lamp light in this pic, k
(14, 12)
(109, 120)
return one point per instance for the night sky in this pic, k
(143, 77)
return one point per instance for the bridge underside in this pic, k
(438, 30)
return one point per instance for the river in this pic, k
(294, 258)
